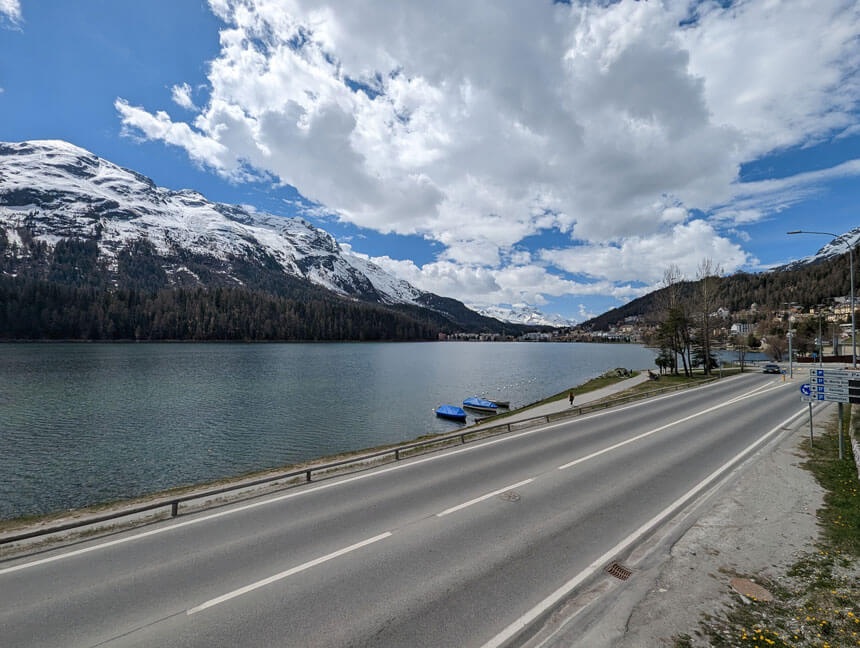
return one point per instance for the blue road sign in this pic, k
(805, 390)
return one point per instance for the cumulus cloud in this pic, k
(478, 127)
(511, 284)
(645, 257)
(11, 10)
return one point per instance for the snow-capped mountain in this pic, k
(834, 248)
(523, 314)
(59, 191)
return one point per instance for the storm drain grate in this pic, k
(619, 571)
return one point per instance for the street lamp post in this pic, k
(851, 273)
(788, 307)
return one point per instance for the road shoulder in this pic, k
(757, 527)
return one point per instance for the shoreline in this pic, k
(23, 524)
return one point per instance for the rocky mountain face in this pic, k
(57, 191)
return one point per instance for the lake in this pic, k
(86, 423)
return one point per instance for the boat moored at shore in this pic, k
(480, 404)
(451, 412)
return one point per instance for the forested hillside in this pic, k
(67, 292)
(808, 285)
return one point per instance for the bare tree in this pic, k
(674, 330)
(672, 278)
(776, 347)
(708, 275)
(740, 342)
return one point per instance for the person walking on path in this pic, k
(571, 398)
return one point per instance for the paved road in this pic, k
(450, 549)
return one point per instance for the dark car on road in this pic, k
(771, 367)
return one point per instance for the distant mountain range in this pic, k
(524, 314)
(132, 234)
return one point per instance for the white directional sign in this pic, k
(833, 385)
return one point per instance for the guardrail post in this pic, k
(462, 438)
(396, 454)
(174, 509)
(308, 474)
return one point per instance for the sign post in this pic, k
(806, 396)
(841, 442)
(834, 386)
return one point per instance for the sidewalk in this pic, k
(564, 405)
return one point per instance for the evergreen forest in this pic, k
(68, 292)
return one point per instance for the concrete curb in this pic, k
(854, 435)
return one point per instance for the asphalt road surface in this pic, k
(456, 548)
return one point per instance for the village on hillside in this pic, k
(825, 328)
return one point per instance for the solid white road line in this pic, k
(615, 446)
(340, 482)
(563, 591)
(484, 497)
(284, 574)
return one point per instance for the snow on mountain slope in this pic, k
(523, 314)
(836, 247)
(60, 191)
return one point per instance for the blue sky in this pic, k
(559, 154)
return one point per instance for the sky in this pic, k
(558, 154)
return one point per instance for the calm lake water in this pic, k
(87, 423)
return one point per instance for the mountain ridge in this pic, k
(809, 281)
(131, 233)
(523, 314)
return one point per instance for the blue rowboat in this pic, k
(481, 405)
(451, 412)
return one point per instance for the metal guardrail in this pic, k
(305, 475)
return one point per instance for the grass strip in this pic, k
(609, 378)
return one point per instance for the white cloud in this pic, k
(644, 258)
(484, 286)
(752, 201)
(181, 94)
(768, 72)
(586, 314)
(11, 9)
(159, 126)
(477, 128)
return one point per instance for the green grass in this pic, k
(817, 602)
(589, 386)
(668, 381)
